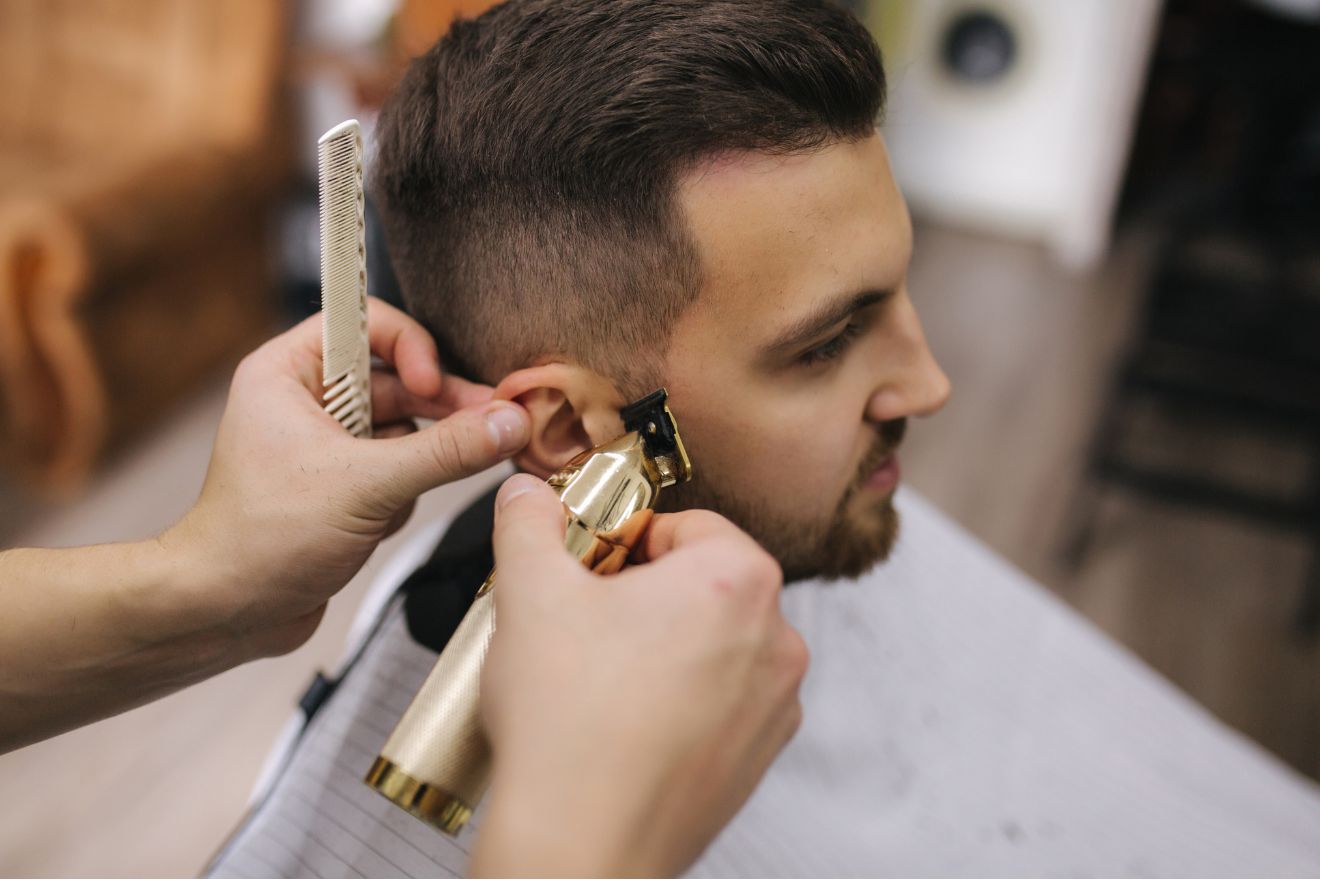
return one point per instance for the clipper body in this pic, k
(436, 763)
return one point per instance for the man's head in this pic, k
(586, 200)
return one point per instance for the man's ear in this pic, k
(573, 409)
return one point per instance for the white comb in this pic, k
(345, 349)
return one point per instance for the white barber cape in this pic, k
(958, 720)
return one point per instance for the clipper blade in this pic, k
(345, 349)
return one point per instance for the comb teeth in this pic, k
(345, 349)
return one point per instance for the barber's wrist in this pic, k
(525, 835)
(537, 822)
(184, 597)
(251, 593)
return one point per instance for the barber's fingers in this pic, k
(528, 538)
(458, 393)
(405, 345)
(390, 430)
(465, 443)
(394, 337)
(392, 399)
(733, 566)
(700, 548)
(670, 531)
(294, 354)
(409, 350)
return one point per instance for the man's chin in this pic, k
(860, 534)
(851, 548)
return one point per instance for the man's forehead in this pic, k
(776, 235)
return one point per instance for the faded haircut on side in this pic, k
(527, 165)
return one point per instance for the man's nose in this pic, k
(931, 388)
(920, 387)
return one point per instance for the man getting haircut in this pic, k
(585, 201)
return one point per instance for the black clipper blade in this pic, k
(650, 417)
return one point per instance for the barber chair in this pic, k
(1228, 343)
(1222, 357)
(142, 150)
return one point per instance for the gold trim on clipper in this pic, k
(426, 802)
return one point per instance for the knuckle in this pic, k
(745, 573)
(517, 518)
(793, 719)
(451, 451)
(770, 570)
(761, 569)
(723, 528)
(797, 656)
(706, 524)
(707, 520)
(247, 365)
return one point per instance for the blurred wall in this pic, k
(1013, 117)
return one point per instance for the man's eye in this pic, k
(830, 350)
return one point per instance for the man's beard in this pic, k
(860, 532)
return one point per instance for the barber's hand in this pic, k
(293, 505)
(630, 716)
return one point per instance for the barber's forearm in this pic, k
(92, 631)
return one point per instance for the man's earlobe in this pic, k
(573, 409)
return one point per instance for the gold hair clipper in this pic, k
(436, 763)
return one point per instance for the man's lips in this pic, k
(885, 477)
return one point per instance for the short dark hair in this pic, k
(527, 165)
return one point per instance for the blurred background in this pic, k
(1117, 262)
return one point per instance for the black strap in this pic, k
(316, 694)
(436, 595)
(440, 592)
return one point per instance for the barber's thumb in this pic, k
(529, 529)
(462, 444)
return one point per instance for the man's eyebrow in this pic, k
(808, 328)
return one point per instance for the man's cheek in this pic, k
(807, 489)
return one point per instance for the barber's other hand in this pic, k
(293, 505)
(630, 716)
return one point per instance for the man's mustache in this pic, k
(891, 436)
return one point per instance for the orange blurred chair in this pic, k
(142, 152)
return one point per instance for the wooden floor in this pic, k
(1206, 601)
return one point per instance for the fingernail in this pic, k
(507, 425)
(518, 484)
